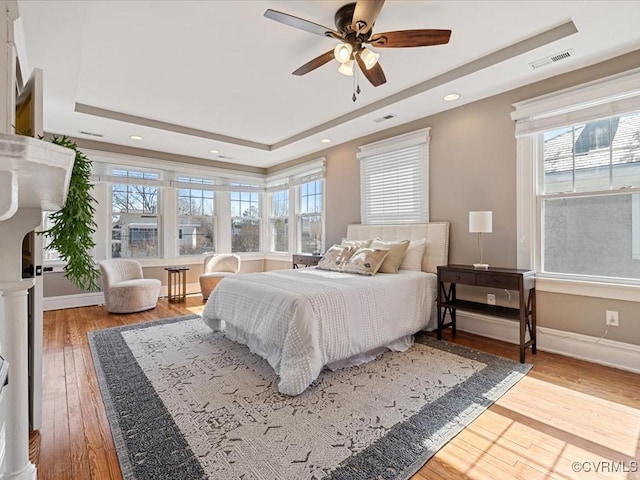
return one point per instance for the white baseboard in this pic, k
(72, 301)
(584, 347)
(96, 298)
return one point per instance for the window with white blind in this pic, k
(579, 188)
(394, 180)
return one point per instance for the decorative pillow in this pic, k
(413, 258)
(396, 254)
(366, 261)
(335, 257)
(356, 243)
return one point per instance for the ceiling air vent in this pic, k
(91, 134)
(385, 118)
(552, 59)
(223, 157)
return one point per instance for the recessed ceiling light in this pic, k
(135, 137)
(326, 140)
(451, 97)
(214, 151)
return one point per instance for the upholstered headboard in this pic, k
(436, 233)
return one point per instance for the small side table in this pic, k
(306, 259)
(177, 283)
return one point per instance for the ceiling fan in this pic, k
(354, 22)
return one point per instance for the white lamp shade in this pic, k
(369, 58)
(342, 52)
(480, 222)
(346, 68)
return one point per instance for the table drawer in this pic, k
(496, 280)
(308, 260)
(466, 278)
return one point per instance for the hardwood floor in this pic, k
(564, 411)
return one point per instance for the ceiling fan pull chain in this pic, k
(355, 75)
(356, 80)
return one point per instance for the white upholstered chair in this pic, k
(125, 289)
(216, 267)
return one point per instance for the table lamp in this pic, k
(480, 222)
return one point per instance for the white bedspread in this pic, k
(302, 320)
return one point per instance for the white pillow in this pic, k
(366, 261)
(336, 257)
(396, 254)
(413, 258)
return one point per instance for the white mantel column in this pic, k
(13, 297)
(14, 344)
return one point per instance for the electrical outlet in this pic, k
(491, 299)
(611, 318)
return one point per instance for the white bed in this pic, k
(303, 320)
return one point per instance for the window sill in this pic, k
(613, 291)
(278, 256)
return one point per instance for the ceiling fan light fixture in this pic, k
(346, 68)
(343, 52)
(369, 58)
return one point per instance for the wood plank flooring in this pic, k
(564, 411)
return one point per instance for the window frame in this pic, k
(300, 216)
(204, 184)
(240, 188)
(131, 181)
(272, 216)
(610, 96)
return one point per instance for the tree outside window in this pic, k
(134, 207)
(310, 217)
(196, 219)
(279, 221)
(245, 221)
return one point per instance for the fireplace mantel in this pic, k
(33, 174)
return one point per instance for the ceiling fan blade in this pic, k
(315, 63)
(365, 14)
(375, 74)
(302, 24)
(410, 38)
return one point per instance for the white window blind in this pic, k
(394, 180)
(610, 96)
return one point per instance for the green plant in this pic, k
(71, 233)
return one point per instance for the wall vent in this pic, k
(385, 118)
(91, 134)
(552, 59)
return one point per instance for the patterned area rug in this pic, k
(184, 402)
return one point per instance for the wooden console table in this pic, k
(522, 281)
